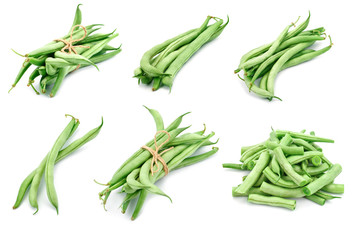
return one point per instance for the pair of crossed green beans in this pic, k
(46, 167)
(53, 65)
(287, 165)
(134, 176)
(289, 49)
(160, 64)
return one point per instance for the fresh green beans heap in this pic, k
(135, 177)
(161, 63)
(287, 165)
(289, 49)
(52, 64)
(56, 154)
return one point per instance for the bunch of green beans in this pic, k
(52, 65)
(135, 177)
(289, 49)
(160, 64)
(57, 153)
(287, 165)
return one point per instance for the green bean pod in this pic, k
(272, 201)
(50, 163)
(282, 60)
(188, 52)
(324, 180)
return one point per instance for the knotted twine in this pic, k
(69, 44)
(156, 155)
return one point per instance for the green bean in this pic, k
(254, 174)
(282, 60)
(182, 41)
(253, 190)
(175, 124)
(98, 46)
(317, 199)
(260, 180)
(307, 146)
(145, 169)
(306, 57)
(187, 139)
(325, 195)
(54, 63)
(132, 182)
(288, 169)
(42, 70)
(257, 51)
(74, 58)
(324, 180)
(219, 30)
(286, 149)
(294, 159)
(313, 171)
(49, 168)
(281, 191)
(334, 188)
(233, 166)
(255, 156)
(126, 169)
(158, 119)
(188, 52)
(275, 179)
(165, 63)
(145, 60)
(37, 61)
(275, 167)
(103, 57)
(60, 77)
(251, 151)
(266, 71)
(77, 19)
(23, 69)
(259, 59)
(259, 91)
(272, 201)
(139, 204)
(299, 39)
(97, 37)
(51, 48)
(33, 192)
(33, 76)
(188, 152)
(309, 138)
(127, 200)
(316, 160)
(23, 188)
(263, 81)
(195, 159)
(244, 149)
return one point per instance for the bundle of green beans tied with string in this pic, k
(57, 153)
(138, 174)
(161, 63)
(287, 165)
(289, 49)
(77, 49)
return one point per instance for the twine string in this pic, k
(156, 155)
(69, 44)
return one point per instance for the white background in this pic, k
(321, 95)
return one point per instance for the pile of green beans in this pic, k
(57, 153)
(287, 165)
(160, 64)
(134, 176)
(289, 49)
(52, 65)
